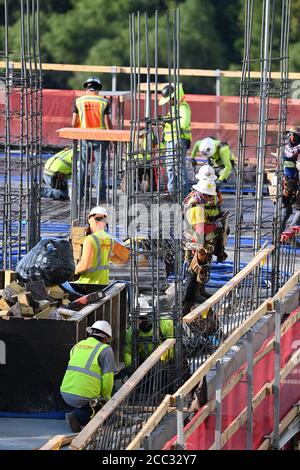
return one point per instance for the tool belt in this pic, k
(199, 264)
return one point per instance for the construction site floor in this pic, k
(29, 434)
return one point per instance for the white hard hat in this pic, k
(206, 172)
(101, 326)
(206, 187)
(98, 210)
(207, 147)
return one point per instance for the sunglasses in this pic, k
(98, 219)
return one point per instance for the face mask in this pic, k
(145, 326)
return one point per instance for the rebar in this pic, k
(21, 137)
(270, 126)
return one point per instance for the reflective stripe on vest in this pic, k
(99, 266)
(60, 157)
(86, 369)
(91, 110)
(287, 164)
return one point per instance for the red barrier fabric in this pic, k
(232, 405)
(58, 108)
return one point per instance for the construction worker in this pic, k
(177, 135)
(93, 266)
(291, 187)
(89, 378)
(204, 214)
(145, 335)
(57, 175)
(218, 154)
(92, 111)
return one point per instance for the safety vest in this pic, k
(99, 272)
(201, 211)
(83, 374)
(184, 109)
(215, 160)
(91, 110)
(60, 162)
(146, 347)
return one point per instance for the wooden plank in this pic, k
(9, 277)
(288, 286)
(89, 430)
(56, 442)
(143, 70)
(286, 421)
(241, 418)
(263, 392)
(228, 287)
(4, 305)
(151, 424)
(228, 343)
(94, 134)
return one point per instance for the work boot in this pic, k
(73, 422)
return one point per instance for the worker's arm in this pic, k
(167, 329)
(75, 120)
(127, 352)
(108, 123)
(225, 155)
(185, 116)
(86, 260)
(196, 148)
(108, 367)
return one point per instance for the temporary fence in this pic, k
(260, 400)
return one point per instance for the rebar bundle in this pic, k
(20, 135)
(269, 126)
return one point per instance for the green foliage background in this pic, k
(96, 32)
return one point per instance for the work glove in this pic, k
(194, 162)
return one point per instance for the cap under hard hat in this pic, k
(100, 326)
(206, 187)
(206, 172)
(98, 210)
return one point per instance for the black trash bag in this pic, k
(50, 260)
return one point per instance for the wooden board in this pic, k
(94, 134)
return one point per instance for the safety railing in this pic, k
(120, 420)
(207, 326)
(288, 250)
(237, 415)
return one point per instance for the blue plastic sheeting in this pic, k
(17, 155)
(43, 415)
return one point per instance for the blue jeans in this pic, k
(100, 151)
(54, 193)
(178, 163)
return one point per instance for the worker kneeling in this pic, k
(145, 339)
(89, 378)
(57, 175)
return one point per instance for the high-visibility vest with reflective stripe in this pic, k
(184, 107)
(60, 162)
(215, 160)
(91, 110)
(99, 272)
(83, 374)
(199, 211)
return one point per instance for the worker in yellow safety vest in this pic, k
(207, 221)
(89, 378)
(219, 156)
(93, 111)
(177, 134)
(93, 267)
(57, 175)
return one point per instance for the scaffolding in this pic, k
(20, 136)
(269, 126)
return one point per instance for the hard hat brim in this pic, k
(165, 99)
